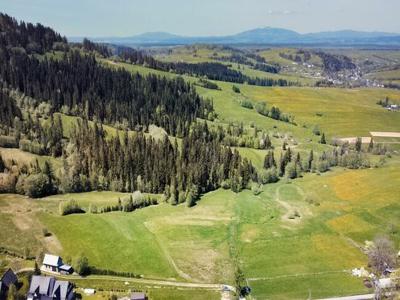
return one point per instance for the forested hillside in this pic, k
(35, 86)
(211, 70)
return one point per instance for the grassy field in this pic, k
(283, 256)
(338, 112)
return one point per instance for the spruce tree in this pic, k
(371, 145)
(323, 140)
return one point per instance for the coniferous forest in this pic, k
(76, 84)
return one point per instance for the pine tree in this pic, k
(2, 165)
(36, 270)
(358, 144)
(371, 145)
(310, 160)
(323, 140)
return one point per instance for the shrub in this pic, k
(7, 183)
(38, 185)
(256, 189)
(268, 176)
(32, 147)
(70, 207)
(261, 108)
(316, 130)
(8, 141)
(236, 89)
(246, 104)
(82, 265)
(292, 170)
(226, 184)
(45, 232)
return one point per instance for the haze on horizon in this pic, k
(94, 18)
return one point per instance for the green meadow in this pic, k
(286, 240)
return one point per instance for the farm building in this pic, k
(44, 288)
(138, 296)
(135, 296)
(53, 263)
(7, 279)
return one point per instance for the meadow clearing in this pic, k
(338, 112)
(286, 239)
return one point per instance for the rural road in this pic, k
(356, 297)
(208, 286)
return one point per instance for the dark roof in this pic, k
(138, 296)
(66, 268)
(60, 290)
(41, 285)
(9, 278)
(49, 287)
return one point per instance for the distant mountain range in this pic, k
(261, 36)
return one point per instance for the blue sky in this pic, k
(204, 17)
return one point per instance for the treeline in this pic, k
(79, 86)
(207, 84)
(26, 37)
(8, 110)
(235, 135)
(126, 164)
(101, 49)
(335, 63)
(273, 112)
(30, 180)
(38, 132)
(210, 70)
(243, 59)
(128, 204)
(291, 165)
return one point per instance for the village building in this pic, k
(138, 296)
(53, 263)
(6, 280)
(46, 288)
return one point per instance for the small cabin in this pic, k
(54, 263)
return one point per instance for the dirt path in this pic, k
(291, 209)
(296, 275)
(356, 297)
(168, 256)
(24, 270)
(157, 282)
(385, 134)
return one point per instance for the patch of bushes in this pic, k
(8, 141)
(207, 84)
(97, 271)
(135, 201)
(268, 176)
(256, 189)
(46, 233)
(70, 207)
(235, 89)
(246, 104)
